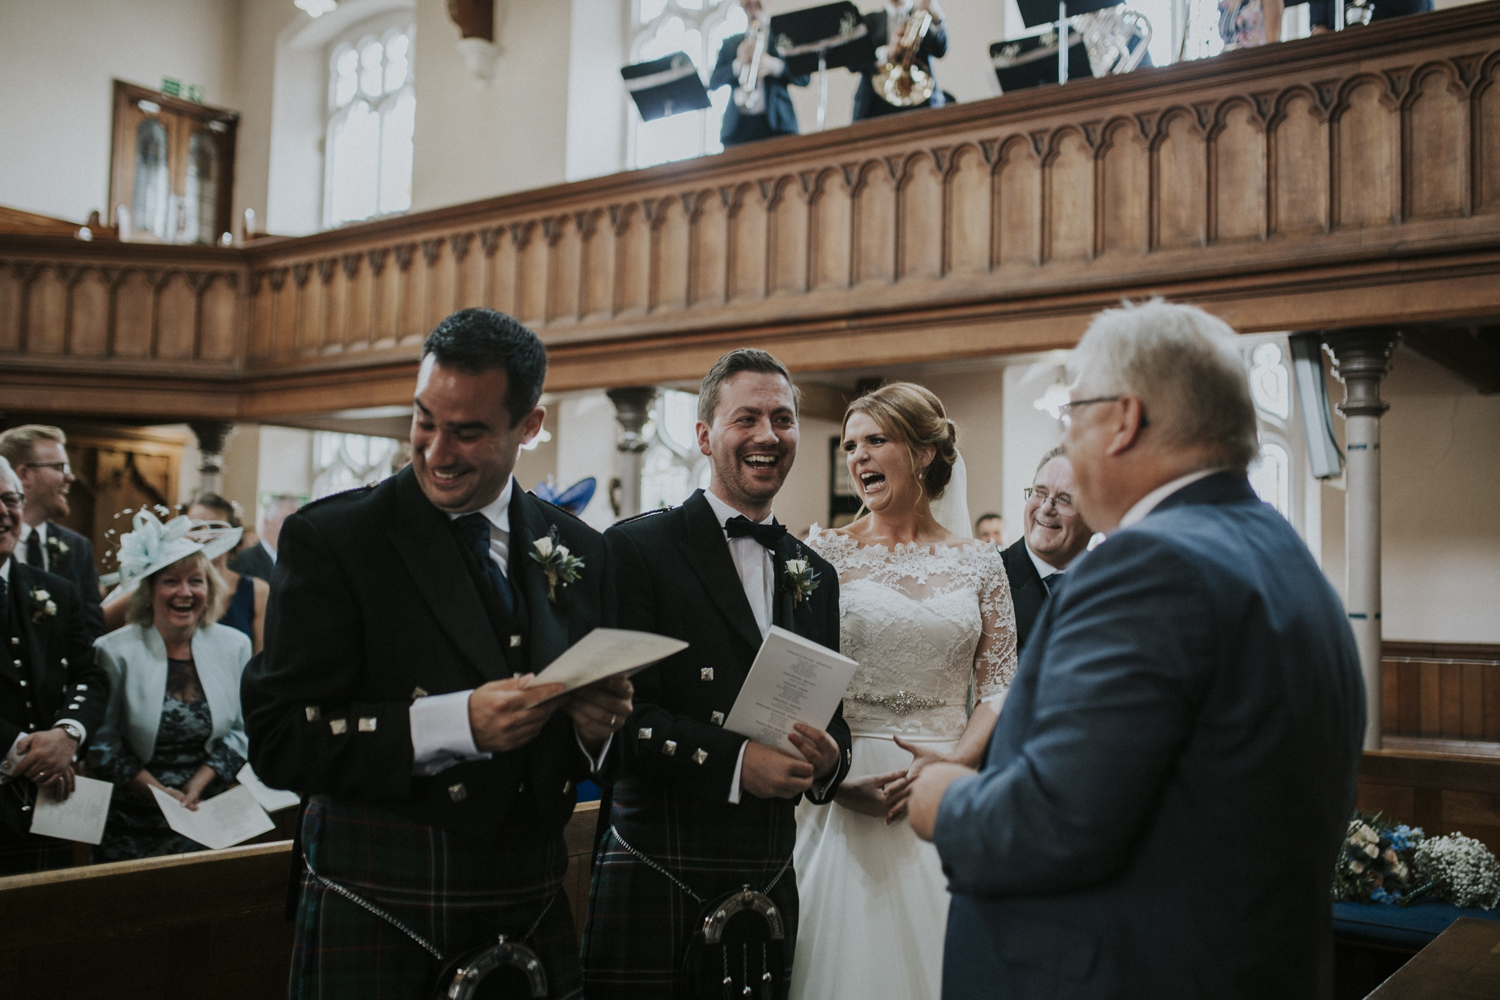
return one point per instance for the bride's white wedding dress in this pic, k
(933, 630)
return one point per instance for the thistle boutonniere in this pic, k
(45, 608)
(558, 564)
(800, 578)
(57, 545)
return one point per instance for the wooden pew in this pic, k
(189, 926)
(1440, 792)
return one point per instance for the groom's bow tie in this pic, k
(768, 535)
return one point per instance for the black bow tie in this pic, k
(768, 535)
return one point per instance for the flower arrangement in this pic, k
(45, 606)
(559, 565)
(801, 579)
(1385, 862)
(57, 545)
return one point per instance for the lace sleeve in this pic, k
(995, 656)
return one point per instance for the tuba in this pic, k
(750, 96)
(899, 79)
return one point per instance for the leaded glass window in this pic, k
(371, 119)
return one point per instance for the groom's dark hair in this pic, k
(745, 359)
(477, 340)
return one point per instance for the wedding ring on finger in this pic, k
(612, 720)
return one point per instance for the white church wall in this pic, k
(57, 64)
(596, 110)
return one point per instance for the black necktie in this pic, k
(475, 529)
(768, 535)
(34, 550)
(4, 604)
(1052, 581)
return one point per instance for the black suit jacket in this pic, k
(1027, 591)
(48, 671)
(1172, 774)
(868, 104)
(255, 561)
(71, 556)
(674, 576)
(373, 603)
(780, 116)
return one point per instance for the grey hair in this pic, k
(7, 473)
(1186, 367)
(1054, 453)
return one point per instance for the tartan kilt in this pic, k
(29, 853)
(454, 894)
(639, 923)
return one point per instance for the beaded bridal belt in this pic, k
(901, 702)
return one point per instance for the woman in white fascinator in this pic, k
(926, 612)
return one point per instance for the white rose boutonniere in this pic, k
(57, 545)
(45, 608)
(801, 579)
(560, 566)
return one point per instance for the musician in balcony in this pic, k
(887, 26)
(760, 106)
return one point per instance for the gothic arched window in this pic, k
(697, 27)
(346, 461)
(372, 108)
(672, 467)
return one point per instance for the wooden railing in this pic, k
(1346, 179)
(1441, 696)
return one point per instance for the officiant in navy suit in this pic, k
(700, 811)
(1173, 772)
(394, 689)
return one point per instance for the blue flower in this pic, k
(1381, 896)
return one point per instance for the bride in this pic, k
(927, 613)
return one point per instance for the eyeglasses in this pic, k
(67, 469)
(1062, 503)
(1065, 411)
(13, 500)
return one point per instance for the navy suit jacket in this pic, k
(71, 556)
(1027, 591)
(1171, 776)
(781, 117)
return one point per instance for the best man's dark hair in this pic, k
(480, 340)
(745, 359)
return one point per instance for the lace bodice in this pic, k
(923, 622)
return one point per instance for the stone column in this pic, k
(632, 410)
(212, 436)
(1361, 358)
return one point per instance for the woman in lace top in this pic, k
(927, 614)
(173, 723)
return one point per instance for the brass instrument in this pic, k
(750, 96)
(899, 79)
(1110, 38)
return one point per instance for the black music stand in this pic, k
(666, 86)
(819, 37)
(1030, 61)
(1039, 12)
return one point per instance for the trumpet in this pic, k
(899, 80)
(749, 96)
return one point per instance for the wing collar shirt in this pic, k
(12, 759)
(1147, 503)
(440, 733)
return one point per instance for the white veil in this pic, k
(952, 508)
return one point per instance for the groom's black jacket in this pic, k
(374, 602)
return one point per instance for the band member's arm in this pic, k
(695, 757)
(306, 732)
(724, 74)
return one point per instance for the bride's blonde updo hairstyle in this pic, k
(915, 417)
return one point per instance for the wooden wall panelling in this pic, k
(46, 312)
(1299, 163)
(468, 275)
(920, 220)
(874, 239)
(176, 317)
(830, 230)
(409, 297)
(966, 214)
(709, 258)
(565, 260)
(596, 279)
(135, 298)
(1442, 691)
(1434, 126)
(1018, 219)
(12, 292)
(1124, 189)
(1181, 170)
(439, 280)
(671, 231)
(1068, 198)
(787, 227)
(531, 272)
(88, 328)
(1485, 114)
(1442, 793)
(1365, 154)
(219, 317)
(1237, 172)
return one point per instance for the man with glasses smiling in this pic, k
(37, 453)
(1055, 534)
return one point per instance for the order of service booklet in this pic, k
(605, 652)
(792, 680)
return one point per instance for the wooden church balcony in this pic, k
(1346, 179)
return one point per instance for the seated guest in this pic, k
(51, 693)
(37, 455)
(173, 720)
(990, 528)
(217, 526)
(885, 27)
(260, 560)
(1172, 775)
(1055, 534)
(765, 109)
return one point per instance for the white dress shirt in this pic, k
(1044, 569)
(270, 550)
(440, 731)
(1147, 503)
(12, 760)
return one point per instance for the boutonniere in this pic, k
(800, 578)
(43, 601)
(57, 545)
(558, 564)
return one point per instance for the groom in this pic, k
(705, 811)
(394, 691)
(1173, 773)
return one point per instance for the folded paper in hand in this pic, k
(79, 817)
(606, 652)
(270, 799)
(792, 680)
(226, 819)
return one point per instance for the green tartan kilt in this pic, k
(455, 895)
(640, 924)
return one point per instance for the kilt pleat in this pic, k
(455, 895)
